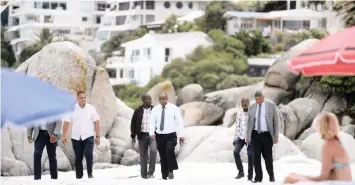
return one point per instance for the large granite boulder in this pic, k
(200, 113)
(279, 75)
(230, 98)
(190, 93)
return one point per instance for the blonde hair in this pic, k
(327, 124)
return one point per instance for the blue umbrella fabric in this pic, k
(27, 101)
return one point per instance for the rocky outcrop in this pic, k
(200, 113)
(165, 86)
(190, 93)
(312, 146)
(278, 74)
(230, 117)
(214, 144)
(230, 98)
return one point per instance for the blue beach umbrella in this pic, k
(27, 100)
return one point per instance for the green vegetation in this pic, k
(7, 55)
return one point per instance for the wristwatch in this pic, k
(97, 136)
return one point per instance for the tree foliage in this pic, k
(172, 25)
(7, 55)
(346, 9)
(254, 42)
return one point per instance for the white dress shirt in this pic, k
(83, 121)
(263, 123)
(173, 121)
(43, 126)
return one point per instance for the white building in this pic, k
(300, 18)
(90, 22)
(146, 57)
(130, 15)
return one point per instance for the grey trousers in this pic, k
(145, 142)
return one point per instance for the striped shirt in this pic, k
(145, 118)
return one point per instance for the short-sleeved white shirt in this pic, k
(83, 120)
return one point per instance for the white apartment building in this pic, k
(90, 22)
(146, 57)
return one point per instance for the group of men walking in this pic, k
(85, 133)
(159, 129)
(257, 127)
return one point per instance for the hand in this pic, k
(152, 137)
(64, 140)
(276, 140)
(29, 138)
(181, 140)
(53, 139)
(133, 142)
(97, 141)
(233, 143)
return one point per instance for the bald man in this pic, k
(165, 124)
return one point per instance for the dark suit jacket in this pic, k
(136, 122)
(52, 129)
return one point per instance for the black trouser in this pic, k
(82, 147)
(166, 147)
(262, 145)
(145, 142)
(238, 146)
(43, 140)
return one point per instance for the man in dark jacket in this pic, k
(140, 128)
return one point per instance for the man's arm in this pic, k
(237, 126)
(152, 122)
(96, 119)
(133, 124)
(57, 128)
(30, 132)
(65, 129)
(276, 121)
(179, 121)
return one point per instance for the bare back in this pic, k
(341, 169)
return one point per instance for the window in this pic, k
(246, 23)
(45, 5)
(102, 35)
(150, 5)
(179, 5)
(48, 19)
(167, 54)
(120, 20)
(149, 18)
(167, 4)
(63, 6)
(101, 6)
(32, 18)
(191, 5)
(84, 19)
(123, 6)
(306, 25)
(112, 73)
(138, 3)
(98, 19)
(54, 5)
(148, 53)
(38, 4)
(131, 74)
(121, 73)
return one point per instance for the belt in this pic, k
(261, 132)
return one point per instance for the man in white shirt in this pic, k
(85, 124)
(165, 123)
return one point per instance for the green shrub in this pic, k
(254, 42)
(276, 48)
(319, 33)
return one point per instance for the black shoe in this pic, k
(90, 176)
(144, 177)
(37, 178)
(250, 178)
(150, 176)
(255, 181)
(165, 178)
(171, 175)
(54, 178)
(272, 179)
(239, 176)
